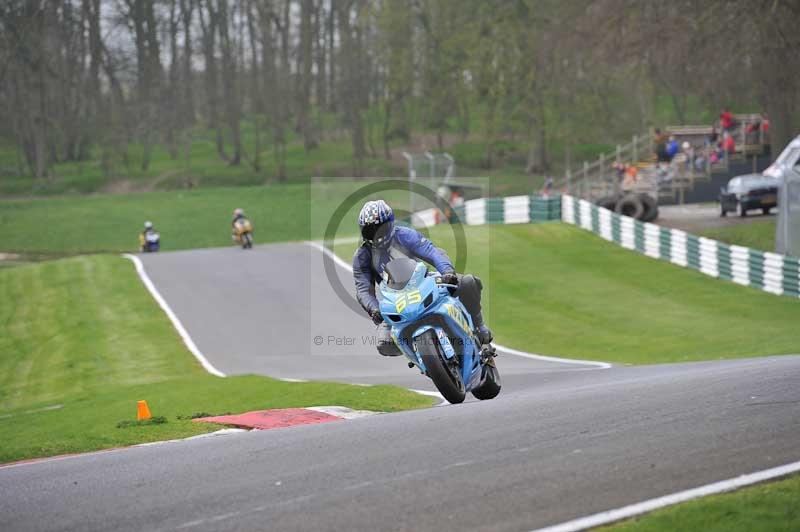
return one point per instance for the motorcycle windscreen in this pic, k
(399, 272)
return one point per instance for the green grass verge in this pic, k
(82, 333)
(757, 234)
(774, 506)
(558, 290)
(185, 219)
(199, 218)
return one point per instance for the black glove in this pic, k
(450, 278)
(377, 319)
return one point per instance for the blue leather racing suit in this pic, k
(368, 263)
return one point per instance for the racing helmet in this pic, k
(376, 220)
(238, 212)
(148, 225)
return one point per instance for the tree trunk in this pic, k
(351, 90)
(233, 104)
(209, 29)
(187, 81)
(320, 56)
(304, 124)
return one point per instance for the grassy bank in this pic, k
(81, 341)
(185, 219)
(199, 218)
(757, 235)
(773, 506)
(557, 290)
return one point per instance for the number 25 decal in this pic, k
(409, 298)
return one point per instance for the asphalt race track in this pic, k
(560, 442)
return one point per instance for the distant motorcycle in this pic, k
(434, 330)
(243, 233)
(150, 241)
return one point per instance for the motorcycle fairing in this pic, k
(422, 305)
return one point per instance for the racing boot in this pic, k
(483, 332)
(386, 345)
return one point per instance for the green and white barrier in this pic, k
(510, 210)
(771, 272)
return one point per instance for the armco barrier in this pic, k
(777, 274)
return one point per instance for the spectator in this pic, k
(764, 123)
(548, 186)
(726, 120)
(699, 161)
(631, 175)
(660, 142)
(688, 151)
(664, 173)
(713, 137)
(620, 168)
(672, 148)
(728, 144)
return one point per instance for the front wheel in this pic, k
(247, 241)
(491, 383)
(445, 374)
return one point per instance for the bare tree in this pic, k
(304, 122)
(351, 82)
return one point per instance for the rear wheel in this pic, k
(247, 241)
(445, 374)
(491, 385)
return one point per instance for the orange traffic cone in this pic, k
(143, 411)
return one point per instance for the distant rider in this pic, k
(382, 241)
(147, 236)
(238, 214)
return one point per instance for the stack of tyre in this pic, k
(642, 207)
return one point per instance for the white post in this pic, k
(430, 157)
(451, 170)
(412, 174)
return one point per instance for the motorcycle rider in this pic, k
(382, 241)
(148, 230)
(238, 214)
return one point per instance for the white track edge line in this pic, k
(639, 508)
(187, 340)
(510, 351)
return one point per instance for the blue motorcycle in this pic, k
(435, 331)
(150, 242)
